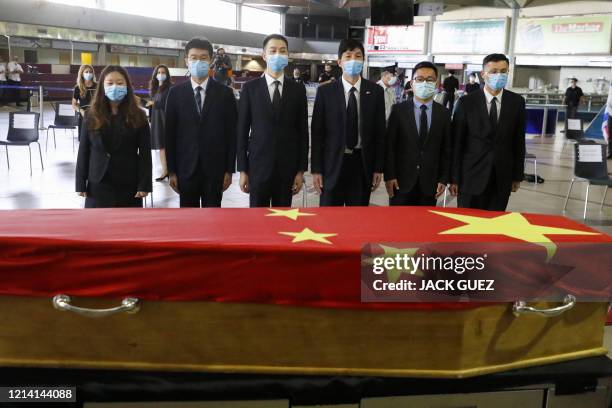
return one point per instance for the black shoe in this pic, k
(162, 178)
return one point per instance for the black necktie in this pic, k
(423, 125)
(352, 120)
(493, 116)
(198, 98)
(276, 97)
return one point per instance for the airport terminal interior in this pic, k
(552, 48)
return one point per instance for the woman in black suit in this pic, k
(114, 160)
(158, 89)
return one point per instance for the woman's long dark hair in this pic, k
(154, 87)
(100, 112)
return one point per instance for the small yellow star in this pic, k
(293, 214)
(513, 225)
(393, 274)
(307, 235)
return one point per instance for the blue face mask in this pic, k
(199, 69)
(115, 93)
(88, 76)
(497, 81)
(161, 77)
(352, 67)
(277, 62)
(424, 90)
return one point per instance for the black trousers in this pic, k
(413, 197)
(13, 95)
(449, 100)
(490, 199)
(2, 92)
(110, 195)
(352, 188)
(275, 192)
(572, 112)
(200, 190)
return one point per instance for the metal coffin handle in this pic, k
(128, 305)
(521, 308)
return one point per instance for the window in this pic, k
(166, 9)
(260, 21)
(80, 3)
(213, 13)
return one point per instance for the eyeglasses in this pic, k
(420, 80)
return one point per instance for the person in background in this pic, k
(327, 75)
(387, 81)
(272, 147)
(573, 98)
(489, 141)
(83, 93)
(159, 85)
(2, 80)
(418, 159)
(201, 118)
(114, 160)
(14, 70)
(450, 85)
(221, 65)
(472, 85)
(297, 76)
(348, 133)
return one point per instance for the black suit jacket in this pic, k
(205, 143)
(131, 159)
(328, 130)
(450, 84)
(267, 141)
(476, 154)
(406, 160)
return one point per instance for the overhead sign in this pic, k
(564, 35)
(396, 39)
(469, 37)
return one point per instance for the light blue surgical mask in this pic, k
(88, 76)
(115, 93)
(161, 77)
(352, 67)
(199, 69)
(497, 81)
(277, 62)
(424, 90)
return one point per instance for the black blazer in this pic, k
(328, 130)
(265, 141)
(131, 158)
(406, 160)
(206, 142)
(475, 153)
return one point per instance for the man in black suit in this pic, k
(200, 132)
(272, 142)
(348, 133)
(417, 165)
(489, 141)
(450, 85)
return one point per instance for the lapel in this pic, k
(412, 126)
(434, 124)
(286, 95)
(481, 108)
(194, 108)
(209, 96)
(365, 99)
(505, 111)
(341, 101)
(264, 94)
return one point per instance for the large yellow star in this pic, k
(308, 235)
(512, 225)
(293, 214)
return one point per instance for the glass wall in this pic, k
(260, 21)
(212, 13)
(166, 9)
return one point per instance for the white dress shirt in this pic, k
(389, 98)
(14, 66)
(194, 85)
(270, 81)
(2, 72)
(347, 93)
(489, 99)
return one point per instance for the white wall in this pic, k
(546, 8)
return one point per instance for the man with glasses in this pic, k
(348, 133)
(489, 141)
(200, 132)
(418, 159)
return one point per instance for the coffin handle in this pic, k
(128, 305)
(521, 308)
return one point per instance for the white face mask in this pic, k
(161, 77)
(393, 81)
